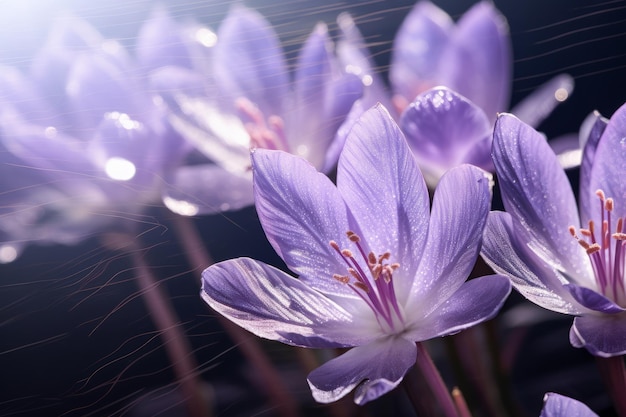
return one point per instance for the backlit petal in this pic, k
(460, 206)
(602, 335)
(301, 212)
(385, 191)
(271, 304)
(537, 193)
(375, 369)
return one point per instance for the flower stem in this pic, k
(172, 334)
(460, 403)
(613, 373)
(272, 383)
(434, 380)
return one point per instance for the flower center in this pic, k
(374, 283)
(264, 133)
(605, 249)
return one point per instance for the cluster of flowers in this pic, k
(206, 122)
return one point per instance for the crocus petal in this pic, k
(385, 191)
(443, 127)
(477, 62)
(97, 86)
(313, 68)
(536, 191)
(602, 335)
(475, 301)
(378, 366)
(260, 75)
(160, 43)
(271, 304)
(567, 150)
(47, 148)
(306, 129)
(206, 189)
(18, 91)
(608, 172)
(221, 137)
(593, 300)
(352, 53)
(344, 96)
(591, 131)
(417, 50)
(460, 207)
(301, 212)
(555, 405)
(534, 108)
(504, 249)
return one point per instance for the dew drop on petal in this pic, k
(561, 94)
(8, 253)
(184, 208)
(50, 132)
(120, 169)
(206, 37)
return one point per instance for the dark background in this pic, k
(75, 337)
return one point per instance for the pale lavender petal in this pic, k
(97, 86)
(221, 137)
(301, 211)
(45, 147)
(18, 91)
(608, 172)
(385, 191)
(313, 69)
(260, 75)
(475, 301)
(417, 50)
(344, 97)
(375, 369)
(591, 131)
(477, 63)
(534, 108)
(332, 155)
(307, 128)
(567, 150)
(274, 305)
(68, 39)
(505, 250)
(460, 207)
(171, 82)
(537, 193)
(555, 405)
(352, 54)
(593, 300)
(602, 335)
(129, 151)
(206, 189)
(443, 127)
(161, 43)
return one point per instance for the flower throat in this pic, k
(606, 250)
(374, 285)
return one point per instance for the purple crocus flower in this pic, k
(472, 59)
(556, 405)
(246, 100)
(559, 258)
(86, 143)
(377, 269)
